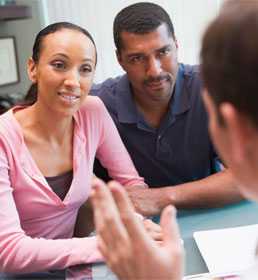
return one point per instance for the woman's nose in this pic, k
(72, 79)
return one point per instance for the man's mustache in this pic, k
(157, 79)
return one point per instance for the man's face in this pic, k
(150, 61)
(237, 144)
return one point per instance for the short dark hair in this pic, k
(31, 96)
(140, 18)
(229, 59)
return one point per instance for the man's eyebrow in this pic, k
(168, 46)
(135, 54)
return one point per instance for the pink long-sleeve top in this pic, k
(36, 226)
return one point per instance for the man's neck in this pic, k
(153, 111)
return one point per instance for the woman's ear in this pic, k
(32, 70)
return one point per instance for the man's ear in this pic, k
(118, 56)
(119, 59)
(176, 42)
(240, 130)
(32, 70)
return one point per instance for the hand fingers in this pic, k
(170, 228)
(151, 226)
(102, 247)
(112, 258)
(106, 216)
(155, 236)
(121, 198)
(172, 243)
(100, 198)
(153, 229)
(132, 224)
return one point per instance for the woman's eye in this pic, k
(58, 65)
(86, 69)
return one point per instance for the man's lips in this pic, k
(156, 84)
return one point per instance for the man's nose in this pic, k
(153, 67)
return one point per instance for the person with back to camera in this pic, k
(158, 110)
(47, 150)
(230, 70)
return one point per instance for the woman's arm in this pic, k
(21, 253)
(112, 153)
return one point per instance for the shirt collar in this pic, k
(126, 108)
(180, 102)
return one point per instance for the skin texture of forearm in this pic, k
(214, 191)
(85, 223)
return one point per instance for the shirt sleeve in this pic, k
(21, 253)
(216, 165)
(112, 153)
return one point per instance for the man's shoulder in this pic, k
(109, 91)
(108, 83)
(191, 74)
(191, 71)
(107, 87)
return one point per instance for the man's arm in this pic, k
(214, 191)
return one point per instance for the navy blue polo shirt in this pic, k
(179, 150)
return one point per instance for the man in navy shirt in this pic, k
(158, 110)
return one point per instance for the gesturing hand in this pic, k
(128, 249)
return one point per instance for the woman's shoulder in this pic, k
(92, 105)
(92, 114)
(92, 102)
(7, 124)
(10, 134)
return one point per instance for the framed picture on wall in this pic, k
(8, 61)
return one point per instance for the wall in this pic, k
(190, 17)
(24, 31)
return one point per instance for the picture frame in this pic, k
(9, 66)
